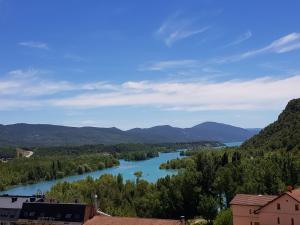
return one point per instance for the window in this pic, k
(77, 216)
(256, 223)
(250, 211)
(251, 223)
(278, 220)
(297, 207)
(292, 221)
(278, 206)
(68, 216)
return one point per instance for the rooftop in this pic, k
(15, 202)
(106, 220)
(295, 194)
(55, 211)
(252, 200)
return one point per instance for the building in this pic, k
(10, 207)
(35, 213)
(283, 209)
(36, 210)
(108, 220)
(23, 153)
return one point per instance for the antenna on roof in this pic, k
(182, 220)
(96, 201)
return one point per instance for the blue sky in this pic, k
(144, 63)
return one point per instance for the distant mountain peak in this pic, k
(30, 135)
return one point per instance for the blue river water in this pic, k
(150, 169)
(234, 144)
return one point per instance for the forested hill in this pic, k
(29, 135)
(282, 134)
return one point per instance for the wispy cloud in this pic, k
(176, 28)
(168, 64)
(244, 37)
(35, 44)
(284, 44)
(193, 96)
(28, 83)
(208, 69)
(74, 57)
(167, 95)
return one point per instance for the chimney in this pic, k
(290, 188)
(182, 220)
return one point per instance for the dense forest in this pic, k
(23, 170)
(116, 150)
(56, 162)
(207, 180)
(282, 134)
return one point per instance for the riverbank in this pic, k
(35, 169)
(150, 169)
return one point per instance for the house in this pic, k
(55, 213)
(34, 210)
(109, 220)
(10, 207)
(283, 209)
(23, 153)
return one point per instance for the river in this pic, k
(150, 169)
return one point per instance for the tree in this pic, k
(223, 218)
(225, 159)
(138, 175)
(208, 207)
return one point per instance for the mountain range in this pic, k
(29, 135)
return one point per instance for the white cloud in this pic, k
(28, 83)
(31, 92)
(244, 37)
(169, 64)
(264, 93)
(176, 28)
(35, 44)
(284, 44)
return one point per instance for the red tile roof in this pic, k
(295, 194)
(107, 220)
(252, 200)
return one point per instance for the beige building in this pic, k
(283, 209)
(23, 153)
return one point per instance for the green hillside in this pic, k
(282, 134)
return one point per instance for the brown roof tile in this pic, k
(253, 200)
(295, 194)
(107, 220)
